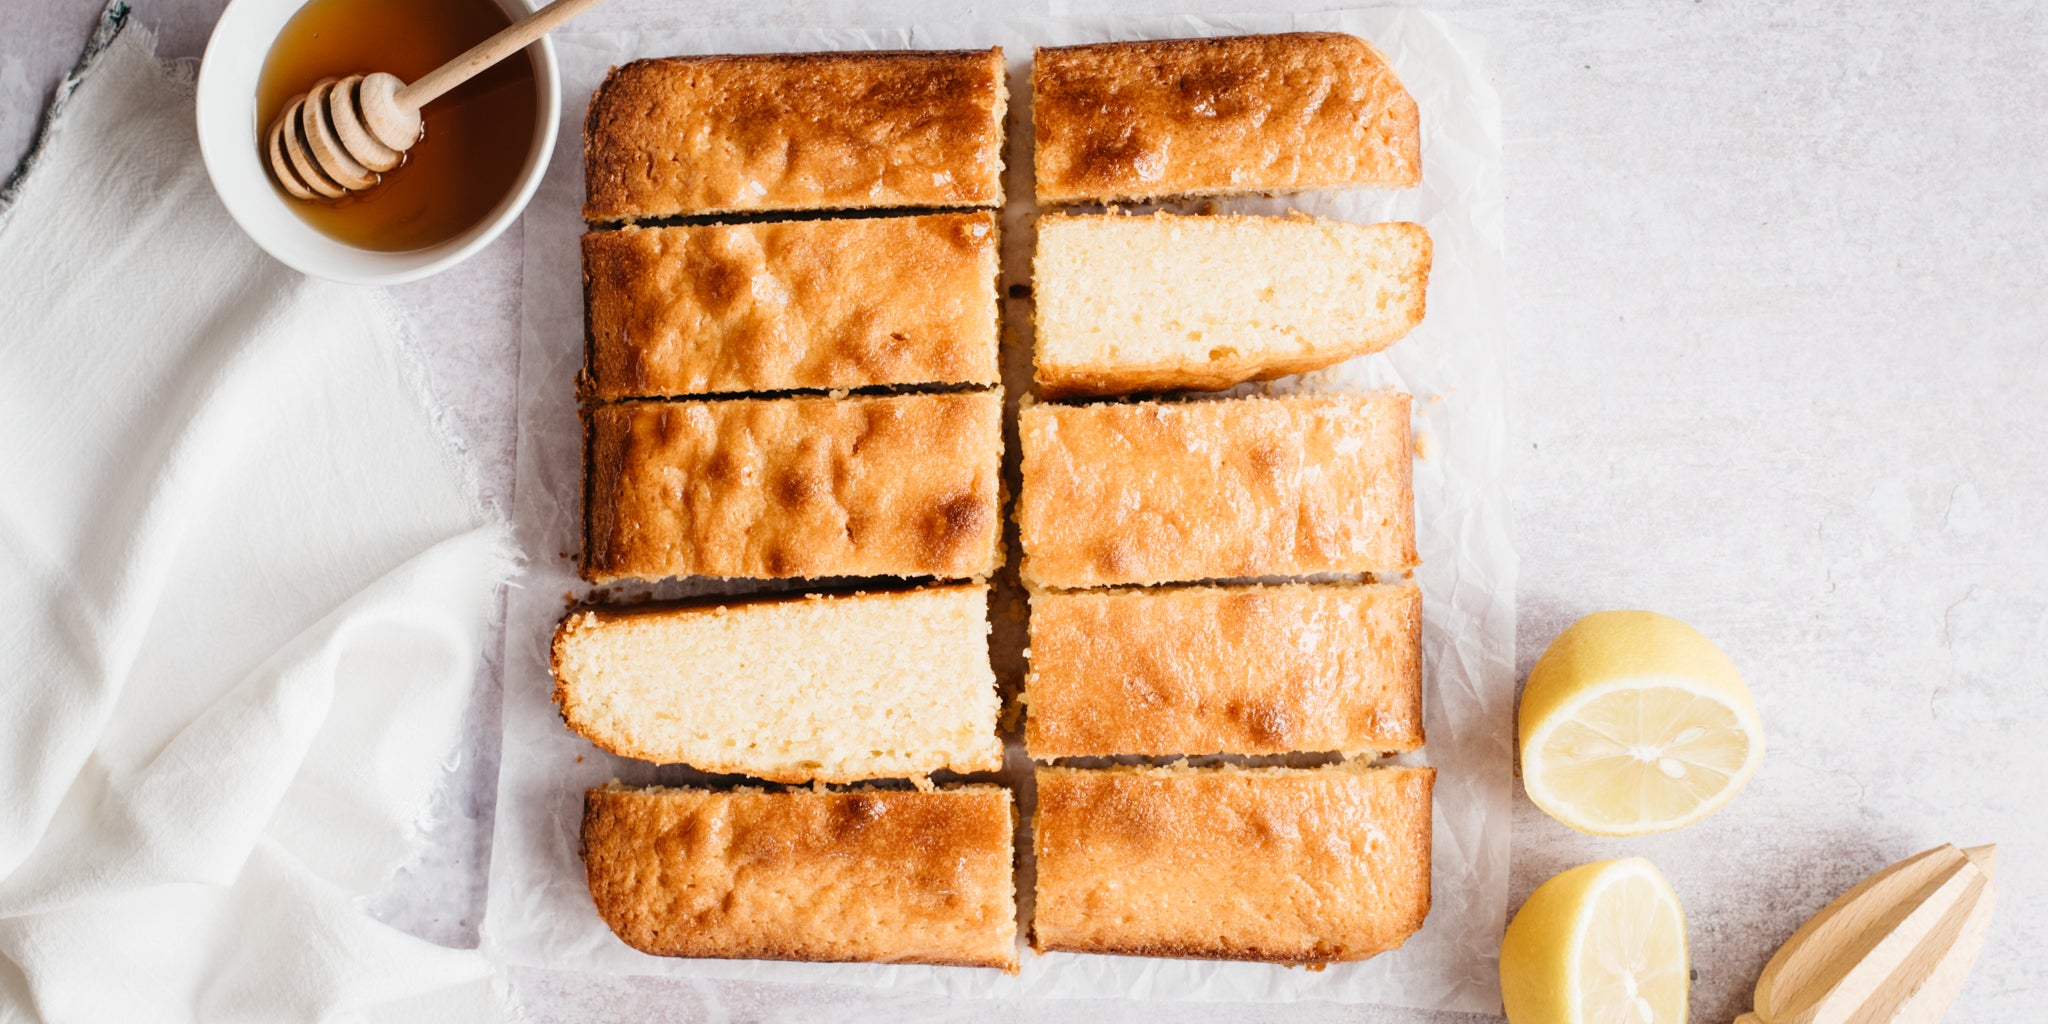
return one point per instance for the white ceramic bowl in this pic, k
(228, 143)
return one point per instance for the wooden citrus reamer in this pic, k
(1893, 950)
(340, 135)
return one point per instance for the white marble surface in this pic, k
(1779, 364)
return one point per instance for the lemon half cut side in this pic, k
(1633, 723)
(1599, 944)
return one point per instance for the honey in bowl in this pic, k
(475, 139)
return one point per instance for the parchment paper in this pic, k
(540, 912)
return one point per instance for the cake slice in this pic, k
(838, 688)
(791, 305)
(771, 488)
(1290, 866)
(873, 875)
(1151, 303)
(1225, 670)
(1155, 492)
(1119, 122)
(795, 131)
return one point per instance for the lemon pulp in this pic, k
(1643, 754)
(1632, 963)
(1634, 722)
(1600, 944)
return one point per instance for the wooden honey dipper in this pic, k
(338, 136)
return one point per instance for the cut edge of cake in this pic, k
(584, 713)
(1395, 257)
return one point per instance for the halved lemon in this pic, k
(1634, 722)
(1599, 944)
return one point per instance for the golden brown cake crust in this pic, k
(875, 875)
(795, 305)
(1243, 114)
(701, 135)
(1152, 492)
(1231, 670)
(1281, 865)
(898, 485)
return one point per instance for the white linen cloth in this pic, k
(244, 586)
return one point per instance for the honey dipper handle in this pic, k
(514, 38)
